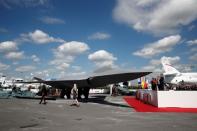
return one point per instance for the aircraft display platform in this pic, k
(170, 98)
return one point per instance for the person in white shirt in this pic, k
(74, 92)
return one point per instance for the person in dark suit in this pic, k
(161, 83)
(44, 94)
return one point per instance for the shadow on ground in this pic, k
(101, 99)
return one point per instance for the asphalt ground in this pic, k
(101, 113)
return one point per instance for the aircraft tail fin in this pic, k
(3, 79)
(38, 79)
(169, 69)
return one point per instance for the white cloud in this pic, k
(170, 60)
(192, 27)
(72, 48)
(164, 45)
(103, 60)
(8, 46)
(62, 66)
(101, 55)
(73, 75)
(193, 57)
(3, 66)
(15, 63)
(52, 20)
(78, 74)
(15, 55)
(99, 36)
(149, 67)
(155, 64)
(66, 53)
(9, 4)
(44, 74)
(76, 68)
(35, 58)
(25, 68)
(52, 73)
(58, 61)
(194, 50)
(156, 16)
(184, 68)
(40, 37)
(61, 63)
(192, 42)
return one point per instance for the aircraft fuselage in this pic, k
(182, 77)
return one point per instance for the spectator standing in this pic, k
(74, 92)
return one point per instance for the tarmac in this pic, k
(100, 113)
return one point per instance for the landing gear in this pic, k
(86, 92)
(83, 91)
(66, 92)
(80, 92)
(62, 94)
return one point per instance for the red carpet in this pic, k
(141, 107)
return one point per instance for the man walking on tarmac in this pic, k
(44, 94)
(74, 92)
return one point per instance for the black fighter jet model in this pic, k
(93, 81)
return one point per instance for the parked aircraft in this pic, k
(94, 81)
(5, 83)
(9, 83)
(173, 76)
(17, 84)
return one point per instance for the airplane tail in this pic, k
(169, 69)
(38, 79)
(3, 80)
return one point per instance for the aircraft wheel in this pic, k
(79, 93)
(62, 94)
(86, 92)
(68, 92)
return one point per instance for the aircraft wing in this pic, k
(94, 81)
(102, 80)
(58, 83)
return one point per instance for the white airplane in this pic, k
(5, 83)
(173, 76)
(17, 84)
(9, 83)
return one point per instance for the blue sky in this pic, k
(73, 38)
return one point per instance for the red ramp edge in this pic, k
(142, 107)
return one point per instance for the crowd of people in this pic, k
(181, 87)
(157, 83)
